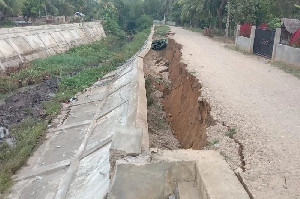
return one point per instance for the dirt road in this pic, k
(261, 104)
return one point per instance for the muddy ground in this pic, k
(176, 111)
(27, 103)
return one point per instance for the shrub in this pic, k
(274, 23)
(144, 22)
(246, 30)
(295, 39)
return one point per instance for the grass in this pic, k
(27, 135)
(291, 69)
(161, 31)
(77, 69)
(213, 142)
(225, 155)
(235, 48)
(194, 29)
(288, 68)
(150, 100)
(230, 133)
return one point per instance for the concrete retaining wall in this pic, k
(24, 44)
(287, 54)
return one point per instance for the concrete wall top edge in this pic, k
(22, 30)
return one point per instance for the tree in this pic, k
(33, 8)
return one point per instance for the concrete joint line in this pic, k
(45, 46)
(116, 76)
(119, 88)
(66, 42)
(67, 179)
(16, 50)
(75, 125)
(84, 103)
(108, 112)
(27, 42)
(57, 44)
(45, 170)
(97, 147)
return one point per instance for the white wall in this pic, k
(243, 43)
(287, 54)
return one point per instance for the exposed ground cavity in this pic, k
(157, 83)
(175, 106)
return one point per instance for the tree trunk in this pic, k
(220, 13)
(228, 21)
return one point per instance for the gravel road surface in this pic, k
(261, 103)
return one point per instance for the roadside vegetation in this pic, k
(288, 68)
(161, 31)
(75, 70)
(294, 70)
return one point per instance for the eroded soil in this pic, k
(157, 83)
(175, 107)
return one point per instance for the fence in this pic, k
(267, 43)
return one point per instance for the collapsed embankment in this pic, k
(186, 112)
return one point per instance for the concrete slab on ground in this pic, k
(214, 178)
(150, 181)
(128, 139)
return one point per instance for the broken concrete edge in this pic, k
(141, 115)
(214, 178)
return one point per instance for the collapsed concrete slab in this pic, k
(182, 173)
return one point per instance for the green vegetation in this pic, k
(194, 29)
(235, 48)
(294, 70)
(161, 31)
(27, 135)
(225, 155)
(213, 142)
(216, 13)
(230, 133)
(150, 100)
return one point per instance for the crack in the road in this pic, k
(240, 150)
(242, 160)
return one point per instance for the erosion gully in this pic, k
(177, 115)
